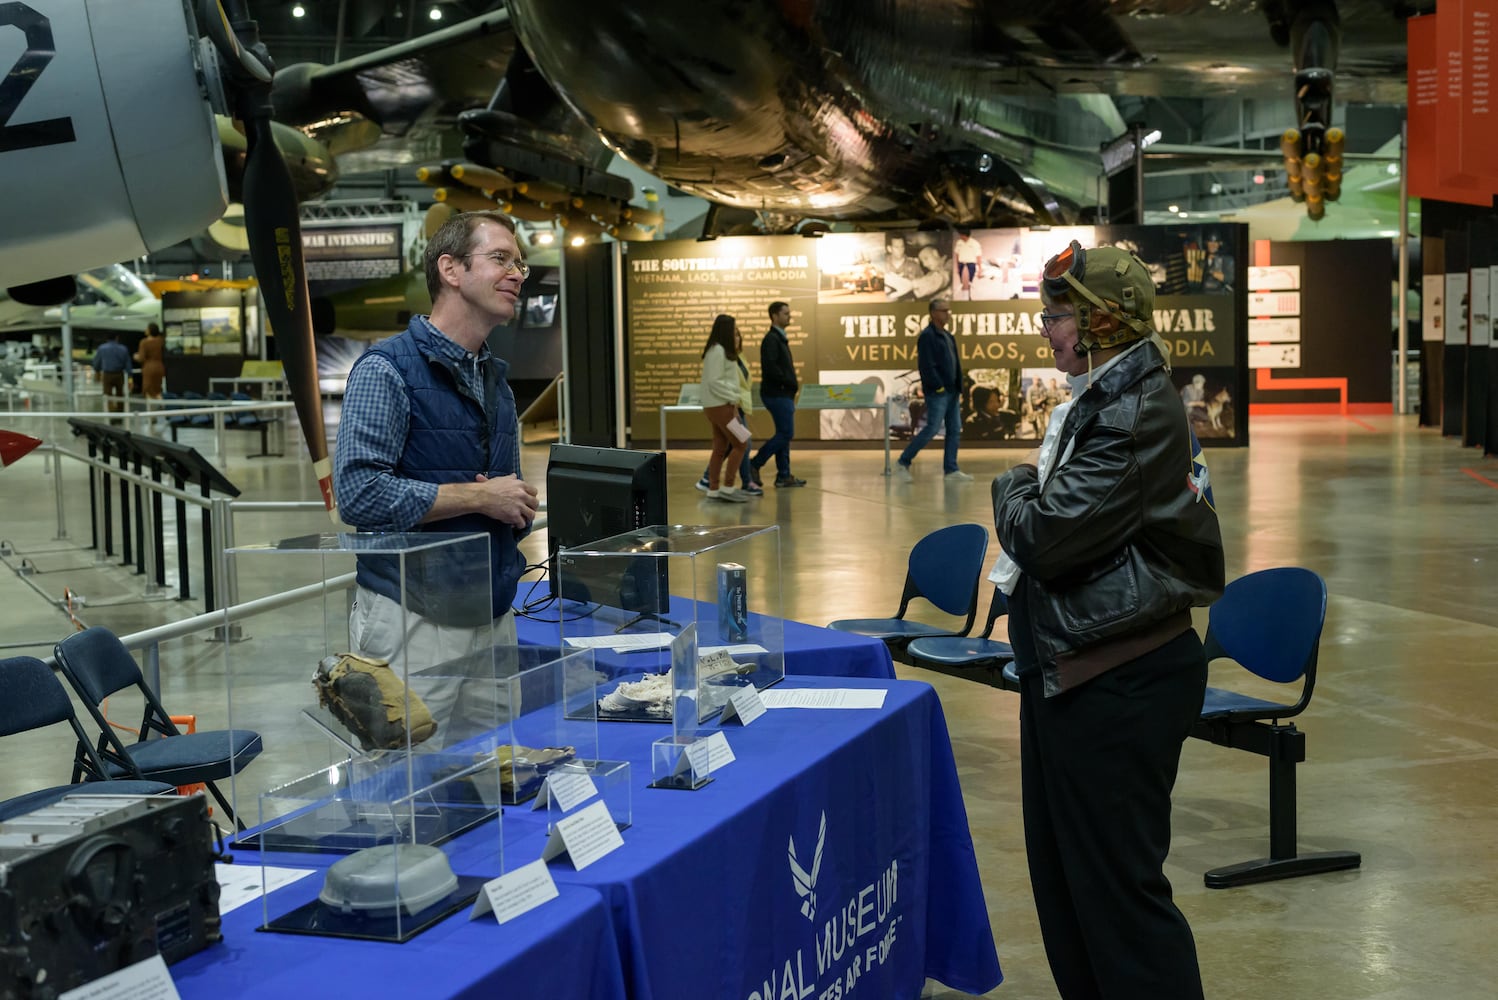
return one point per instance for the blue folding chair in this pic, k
(944, 569)
(1270, 622)
(971, 657)
(97, 665)
(35, 698)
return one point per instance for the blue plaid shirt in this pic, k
(372, 438)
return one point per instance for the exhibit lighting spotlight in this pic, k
(435, 13)
(545, 239)
(298, 11)
(578, 241)
(1175, 208)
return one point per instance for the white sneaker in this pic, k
(958, 476)
(902, 473)
(728, 493)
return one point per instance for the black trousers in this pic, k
(1098, 764)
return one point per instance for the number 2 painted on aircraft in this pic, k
(20, 79)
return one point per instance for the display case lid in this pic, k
(365, 541)
(670, 539)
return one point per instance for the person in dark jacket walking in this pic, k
(941, 385)
(1109, 546)
(777, 387)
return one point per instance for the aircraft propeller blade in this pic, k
(273, 224)
(14, 447)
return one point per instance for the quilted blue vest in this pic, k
(450, 440)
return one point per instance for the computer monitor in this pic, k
(594, 493)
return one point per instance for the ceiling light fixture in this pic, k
(545, 239)
(1175, 208)
(578, 241)
(435, 13)
(298, 10)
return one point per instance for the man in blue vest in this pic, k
(941, 386)
(428, 440)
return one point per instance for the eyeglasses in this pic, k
(1048, 320)
(505, 262)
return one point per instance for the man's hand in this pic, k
(508, 499)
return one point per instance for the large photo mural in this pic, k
(859, 301)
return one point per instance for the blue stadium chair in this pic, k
(971, 657)
(1269, 622)
(944, 569)
(35, 698)
(97, 665)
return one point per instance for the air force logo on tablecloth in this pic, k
(806, 884)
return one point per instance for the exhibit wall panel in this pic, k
(1346, 330)
(860, 300)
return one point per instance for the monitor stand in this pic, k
(648, 616)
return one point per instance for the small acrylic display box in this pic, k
(611, 779)
(391, 862)
(546, 702)
(631, 596)
(289, 680)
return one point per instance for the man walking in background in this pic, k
(112, 362)
(941, 383)
(777, 387)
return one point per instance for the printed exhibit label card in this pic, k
(824, 698)
(585, 836)
(571, 788)
(516, 892)
(745, 705)
(719, 753)
(147, 980)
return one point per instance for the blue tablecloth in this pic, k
(562, 949)
(809, 649)
(705, 894)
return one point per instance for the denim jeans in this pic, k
(783, 412)
(939, 408)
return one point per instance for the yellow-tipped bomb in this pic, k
(630, 231)
(436, 175)
(1331, 167)
(1290, 150)
(481, 178)
(435, 217)
(1315, 194)
(594, 204)
(543, 192)
(644, 216)
(463, 199)
(520, 208)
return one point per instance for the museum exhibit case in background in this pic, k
(631, 596)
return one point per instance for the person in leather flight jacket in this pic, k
(1114, 540)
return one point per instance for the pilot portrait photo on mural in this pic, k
(917, 265)
(992, 405)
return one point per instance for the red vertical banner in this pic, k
(1433, 121)
(1464, 34)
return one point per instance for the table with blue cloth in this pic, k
(566, 943)
(831, 859)
(809, 650)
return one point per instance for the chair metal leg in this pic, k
(228, 810)
(1286, 748)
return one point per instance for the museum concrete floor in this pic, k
(1402, 734)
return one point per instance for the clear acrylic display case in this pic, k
(545, 703)
(611, 778)
(390, 863)
(289, 680)
(628, 597)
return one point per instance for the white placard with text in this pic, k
(585, 836)
(516, 892)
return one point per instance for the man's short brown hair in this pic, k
(455, 239)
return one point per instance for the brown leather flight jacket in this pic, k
(1120, 543)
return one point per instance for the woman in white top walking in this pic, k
(720, 404)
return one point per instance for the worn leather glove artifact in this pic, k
(370, 699)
